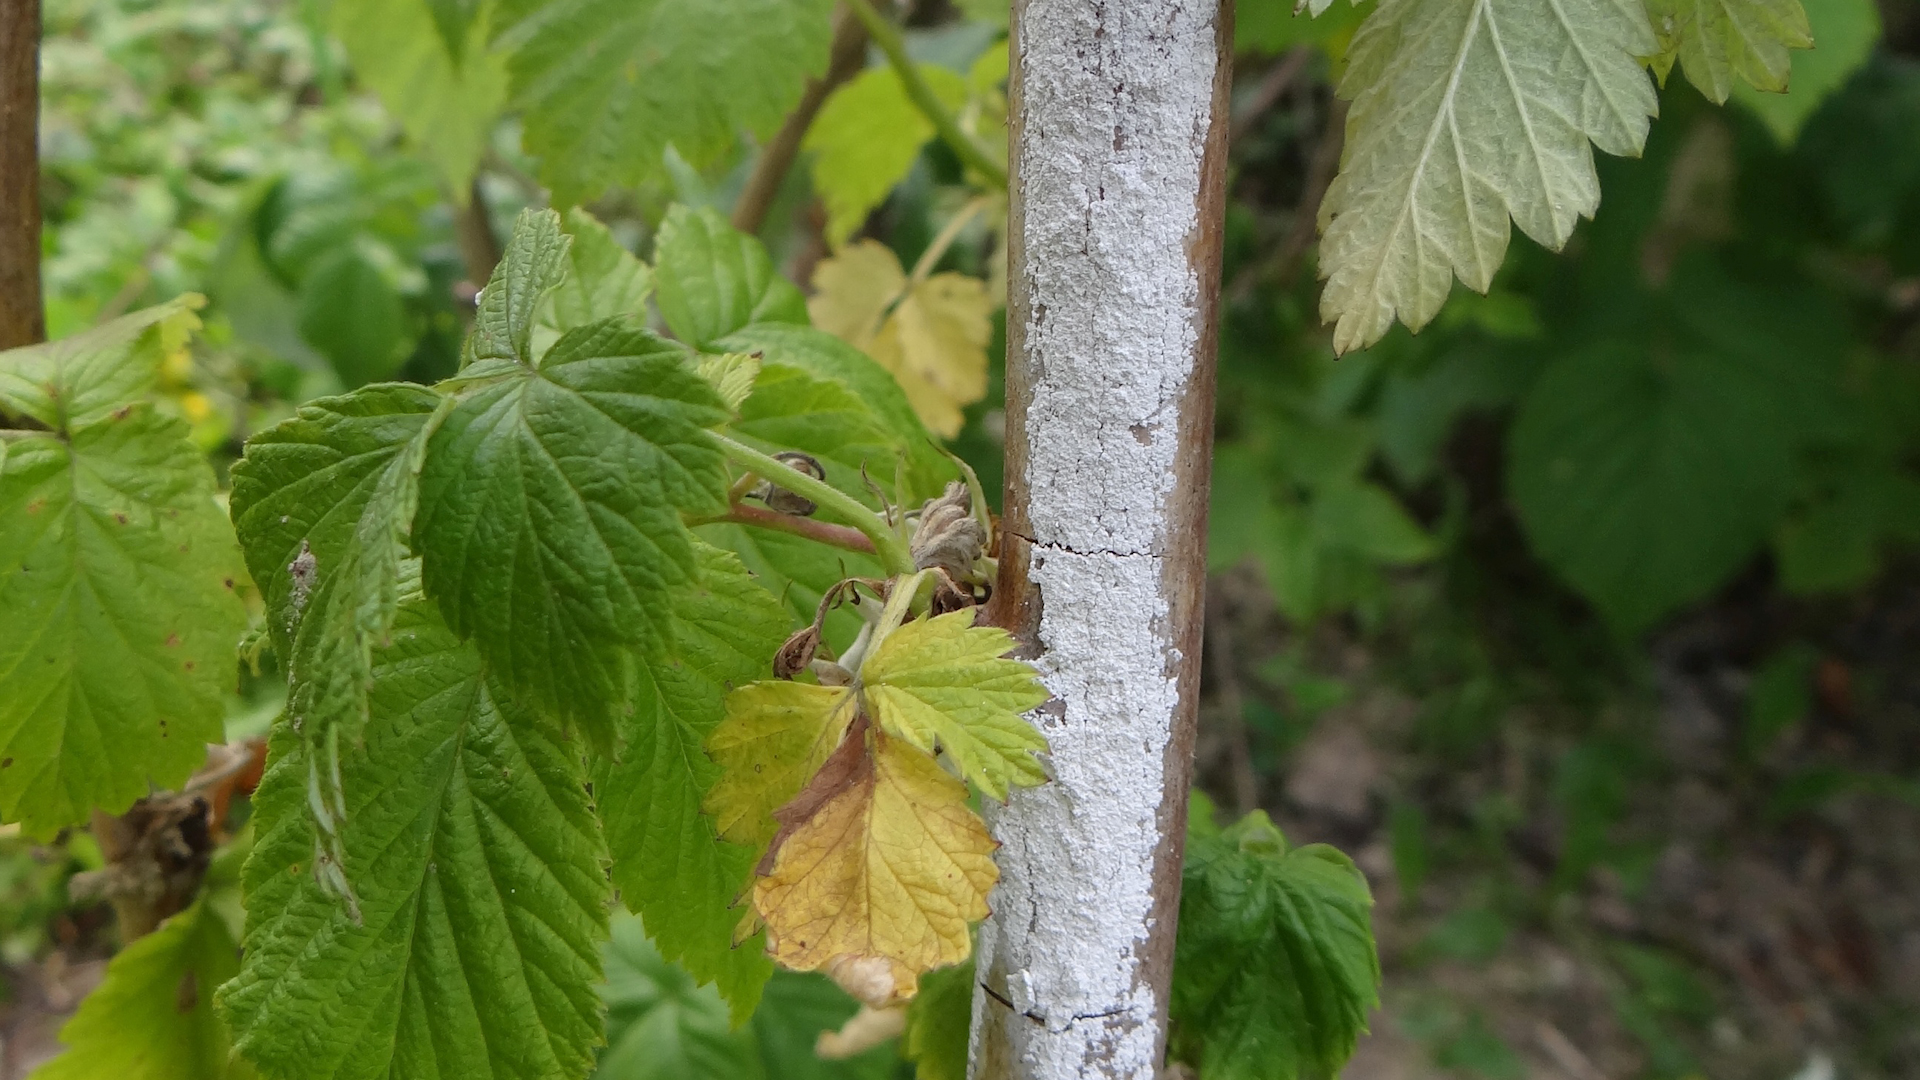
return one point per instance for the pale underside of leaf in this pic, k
(1467, 114)
(1721, 42)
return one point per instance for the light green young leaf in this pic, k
(715, 280)
(535, 263)
(946, 682)
(82, 378)
(550, 503)
(606, 85)
(480, 873)
(792, 409)
(670, 866)
(938, 1019)
(152, 1018)
(1306, 913)
(429, 63)
(1845, 31)
(866, 138)
(1467, 112)
(1720, 41)
(827, 357)
(1645, 481)
(603, 280)
(731, 375)
(118, 576)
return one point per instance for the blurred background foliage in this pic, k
(1588, 618)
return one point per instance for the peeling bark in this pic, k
(1119, 112)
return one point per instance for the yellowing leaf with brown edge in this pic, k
(930, 331)
(877, 872)
(775, 736)
(946, 680)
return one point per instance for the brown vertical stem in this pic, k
(848, 57)
(23, 319)
(473, 229)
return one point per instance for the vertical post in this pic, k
(1118, 111)
(23, 318)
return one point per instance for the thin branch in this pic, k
(887, 36)
(890, 548)
(23, 319)
(1278, 79)
(849, 56)
(473, 229)
(841, 536)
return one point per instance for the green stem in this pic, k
(887, 36)
(890, 548)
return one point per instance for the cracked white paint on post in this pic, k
(1115, 106)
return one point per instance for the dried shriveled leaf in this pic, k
(879, 870)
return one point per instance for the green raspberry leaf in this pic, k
(946, 681)
(482, 891)
(603, 280)
(669, 865)
(152, 1018)
(1306, 914)
(549, 525)
(339, 481)
(793, 409)
(938, 1019)
(79, 379)
(797, 570)
(662, 1026)
(535, 263)
(867, 137)
(827, 357)
(715, 280)
(606, 85)
(118, 576)
(445, 89)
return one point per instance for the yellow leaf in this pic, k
(930, 333)
(775, 736)
(945, 680)
(878, 871)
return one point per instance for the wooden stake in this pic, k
(1119, 127)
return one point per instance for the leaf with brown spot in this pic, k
(877, 872)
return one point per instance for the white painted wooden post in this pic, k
(1119, 146)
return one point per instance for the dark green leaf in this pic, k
(482, 891)
(550, 503)
(1305, 913)
(669, 865)
(938, 1020)
(1647, 481)
(353, 316)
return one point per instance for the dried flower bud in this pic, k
(950, 538)
(797, 653)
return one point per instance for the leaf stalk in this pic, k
(891, 549)
(886, 35)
